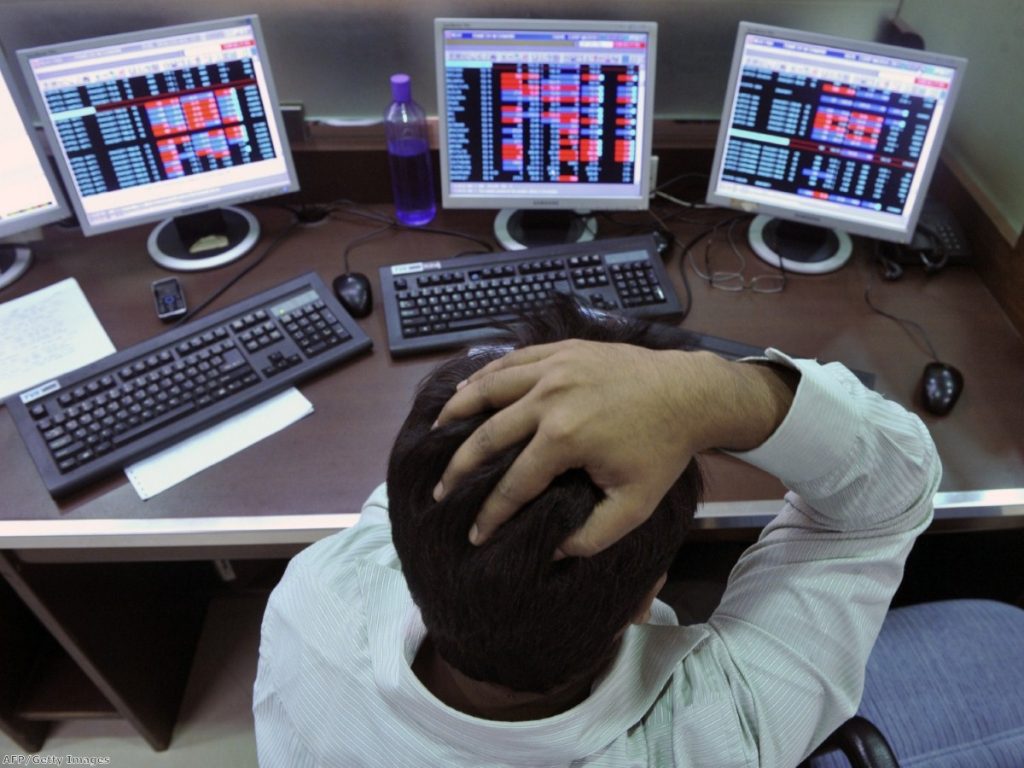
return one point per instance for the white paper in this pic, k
(47, 333)
(163, 470)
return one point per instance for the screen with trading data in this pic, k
(28, 192)
(544, 111)
(154, 123)
(824, 127)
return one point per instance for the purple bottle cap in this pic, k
(401, 88)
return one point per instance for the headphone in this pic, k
(891, 257)
(936, 258)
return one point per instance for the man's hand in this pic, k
(631, 417)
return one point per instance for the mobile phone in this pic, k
(169, 299)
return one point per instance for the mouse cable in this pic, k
(392, 224)
(687, 290)
(905, 323)
(272, 246)
(351, 245)
(283, 235)
(350, 206)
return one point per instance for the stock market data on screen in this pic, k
(165, 122)
(542, 115)
(835, 133)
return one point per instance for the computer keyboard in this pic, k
(435, 305)
(128, 405)
(441, 304)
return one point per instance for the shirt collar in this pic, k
(646, 659)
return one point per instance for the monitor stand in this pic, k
(203, 240)
(14, 261)
(800, 248)
(516, 229)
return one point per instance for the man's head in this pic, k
(506, 612)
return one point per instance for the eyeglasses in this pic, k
(735, 280)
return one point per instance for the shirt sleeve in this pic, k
(804, 604)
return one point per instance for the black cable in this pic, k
(688, 305)
(903, 322)
(341, 204)
(271, 246)
(453, 233)
(351, 245)
(392, 225)
(351, 207)
(679, 177)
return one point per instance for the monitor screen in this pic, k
(545, 114)
(162, 122)
(832, 132)
(29, 196)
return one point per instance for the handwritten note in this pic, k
(47, 333)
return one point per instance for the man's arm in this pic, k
(630, 416)
(804, 604)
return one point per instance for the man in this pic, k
(366, 658)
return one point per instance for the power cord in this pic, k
(906, 324)
(270, 248)
(660, 192)
(391, 225)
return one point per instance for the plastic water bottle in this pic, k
(412, 178)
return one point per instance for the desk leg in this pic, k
(20, 636)
(130, 631)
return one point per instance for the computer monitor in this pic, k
(29, 194)
(176, 122)
(545, 119)
(826, 137)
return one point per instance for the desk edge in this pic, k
(974, 508)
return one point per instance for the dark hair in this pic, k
(505, 612)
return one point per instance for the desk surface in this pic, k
(312, 478)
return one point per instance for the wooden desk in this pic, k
(312, 478)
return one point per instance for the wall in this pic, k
(984, 144)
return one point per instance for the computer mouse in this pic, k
(941, 385)
(354, 292)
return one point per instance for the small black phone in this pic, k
(938, 230)
(169, 299)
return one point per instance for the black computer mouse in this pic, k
(354, 292)
(941, 385)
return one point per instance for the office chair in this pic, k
(944, 689)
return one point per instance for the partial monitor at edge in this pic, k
(29, 195)
(547, 120)
(177, 125)
(826, 137)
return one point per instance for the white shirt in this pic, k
(778, 666)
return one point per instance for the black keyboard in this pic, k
(135, 402)
(441, 304)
